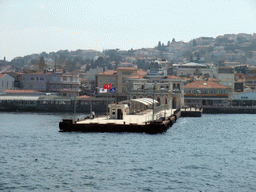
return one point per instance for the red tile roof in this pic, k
(141, 72)
(1, 75)
(84, 97)
(205, 85)
(136, 77)
(110, 72)
(127, 68)
(173, 77)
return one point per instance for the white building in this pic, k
(244, 99)
(6, 82)
(190, 69)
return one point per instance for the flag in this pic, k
(112, 90)
(107, 86)
(103, 90)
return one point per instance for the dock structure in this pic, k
(191, 112)
(139, 118)
(141, 122)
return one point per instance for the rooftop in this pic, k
(110, 72)
(173, 77)
(20, 91)
(205, 85)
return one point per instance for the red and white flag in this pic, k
(107, 86)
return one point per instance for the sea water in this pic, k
(210, 153)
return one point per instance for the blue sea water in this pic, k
(211, 153)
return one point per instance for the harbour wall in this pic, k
(230, 110)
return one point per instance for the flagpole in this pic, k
(115, 95)
(107, 104)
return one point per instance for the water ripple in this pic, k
(211, 153)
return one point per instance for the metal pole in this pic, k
(75, 108)
(115, 98)
(153, 104)
(165, 108)
(91, 100)
(107, 105)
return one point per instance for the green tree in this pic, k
(41, 64)
(159, 44)
(194, 43)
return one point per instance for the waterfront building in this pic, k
(64, 84)
(206, 93)
(156, 84)
(6, 82)
(244, 99)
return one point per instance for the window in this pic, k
(64, 78)
(41, 78)
(32, 78)
(127, 73)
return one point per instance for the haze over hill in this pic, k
(36, 26)
(225, 50)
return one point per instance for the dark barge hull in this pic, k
(68, 125)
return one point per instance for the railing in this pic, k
(160, 108)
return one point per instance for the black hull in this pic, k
(155, 127)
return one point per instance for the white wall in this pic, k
(6, 82)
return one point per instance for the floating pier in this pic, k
(141, 122)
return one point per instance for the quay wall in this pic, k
(230, 110)
(100, 108)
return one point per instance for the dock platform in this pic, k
(138, 118)
(136, 123)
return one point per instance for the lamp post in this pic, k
(200, 99)
(165, 108)
(75, 105)
(91, 100)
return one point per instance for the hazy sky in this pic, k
(34, 26)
